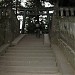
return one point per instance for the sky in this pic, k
(0, 0)
(23, 0)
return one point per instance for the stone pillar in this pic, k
(4, 12)
(0, 14)
(72, 11)
(61, 11)
(23, 26)
(67, 11)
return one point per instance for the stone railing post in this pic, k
(67, 11)
(0, 14)
(61, 12)
(72, 11)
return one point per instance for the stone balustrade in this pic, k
(66, 37)
(66, 11)
(63, 25)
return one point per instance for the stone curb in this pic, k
(15, 42)
(3, 48)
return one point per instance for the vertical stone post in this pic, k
(4, 12)
(55, 25)
(16, 7)
(72, 11)
(67, 11)
(0, 14)
(23, 26)
(61, 12)
(48, 17)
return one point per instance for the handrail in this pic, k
(68, 46)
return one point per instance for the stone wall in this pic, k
(64, 32)
(9, 27)
(67, 30)
(67, 38)
(2, 32)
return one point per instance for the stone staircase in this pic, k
(29, 57)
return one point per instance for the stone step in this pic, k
(30, 54)
(33, 38)
(29, 48)
(31, 45)
(24, 69)
(41, 50)
(28, 63)
(29, 51)
(38, 46)
(20, 58)
(31, 41)
(17, 73)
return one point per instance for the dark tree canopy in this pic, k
(69, 3)
(65, 3)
